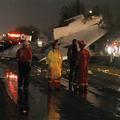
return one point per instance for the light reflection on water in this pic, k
(53, 114)
(11, 85)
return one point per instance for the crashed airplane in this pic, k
(88, 30)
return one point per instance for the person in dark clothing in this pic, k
(72, 57)
(24, 58)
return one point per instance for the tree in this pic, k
(29, 30)
(65, 12)
(96, 10)
(72, 9)
(80, 7)
(107, 17)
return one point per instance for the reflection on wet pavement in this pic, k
(101, 102)
(37, 95)
(67, 106)
(107, 100)
(53, 113)
(11, 80)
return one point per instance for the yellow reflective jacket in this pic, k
(54, 60)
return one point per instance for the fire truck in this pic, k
(16, 38)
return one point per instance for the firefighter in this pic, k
(72, 57)
(54, 61)
(83, 61)
(24, 59)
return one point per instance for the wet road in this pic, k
(37, 95)
(106, 88)
(101, 103)
(65, 106)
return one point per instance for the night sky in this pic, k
(41, 13)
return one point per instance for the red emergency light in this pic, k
(14, 35)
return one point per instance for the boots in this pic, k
(83, 90)
(57, 84)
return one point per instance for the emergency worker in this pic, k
(83, 61)
(24, 59)
(54, 61)
(72, 58)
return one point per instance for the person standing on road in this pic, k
(83, 61)
(54, 61)
(72, 57)
(24, 59)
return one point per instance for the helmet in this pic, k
(81, 43)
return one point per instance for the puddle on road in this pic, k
(11, 85)
(53, 113)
